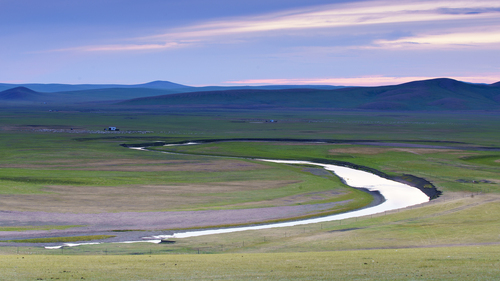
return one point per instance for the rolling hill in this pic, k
(157, 85)
(432, 95)
(51, 88)
(20, 94)
(435, 94)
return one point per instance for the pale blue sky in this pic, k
(228, 42)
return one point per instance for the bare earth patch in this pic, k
(140, 165)
(91, 199)
(160, 222)
(378, 150)
(295, 199)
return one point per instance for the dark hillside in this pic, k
(161, 85)
(427, 95)
(248, 98)
(109, 94)
(158, 85)
(20, 94)
(436, 94)
(51, 88)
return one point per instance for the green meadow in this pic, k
(452, 169)
(55, 158)
(449, 263)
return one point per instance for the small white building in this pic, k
(113, 129)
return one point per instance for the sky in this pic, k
(248, 42)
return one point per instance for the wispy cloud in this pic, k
(122, 47)
(450, 40)
(342, 15)
(360, 81)
(132, 47)
(335, 16)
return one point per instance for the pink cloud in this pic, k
(360, 81)
(342, 15)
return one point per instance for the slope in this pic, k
(435, 94)
(20, 94)
(162, 85)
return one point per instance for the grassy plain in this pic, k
(69, 175)
(452, 169)
(447, 263)
(62, 239)
(453, 237)
(453, 220)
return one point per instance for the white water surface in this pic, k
(181, 144)
(397, 195)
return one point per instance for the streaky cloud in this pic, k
(361, 81)
(344, 15)
(122, 47)
(467, 11)
(366, 14)
(450, 40)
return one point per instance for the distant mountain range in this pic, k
(158, 85)
(52, 88)
(433, 95)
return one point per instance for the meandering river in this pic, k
(397, 195)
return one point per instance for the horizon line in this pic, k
(369, 81)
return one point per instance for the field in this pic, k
(457, 263)
(62, 164)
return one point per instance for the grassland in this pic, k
(62, 239)
(456, 220)
(453, 237)
(39, 227)
(452, 169)
(449, 263)
(96, 176)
